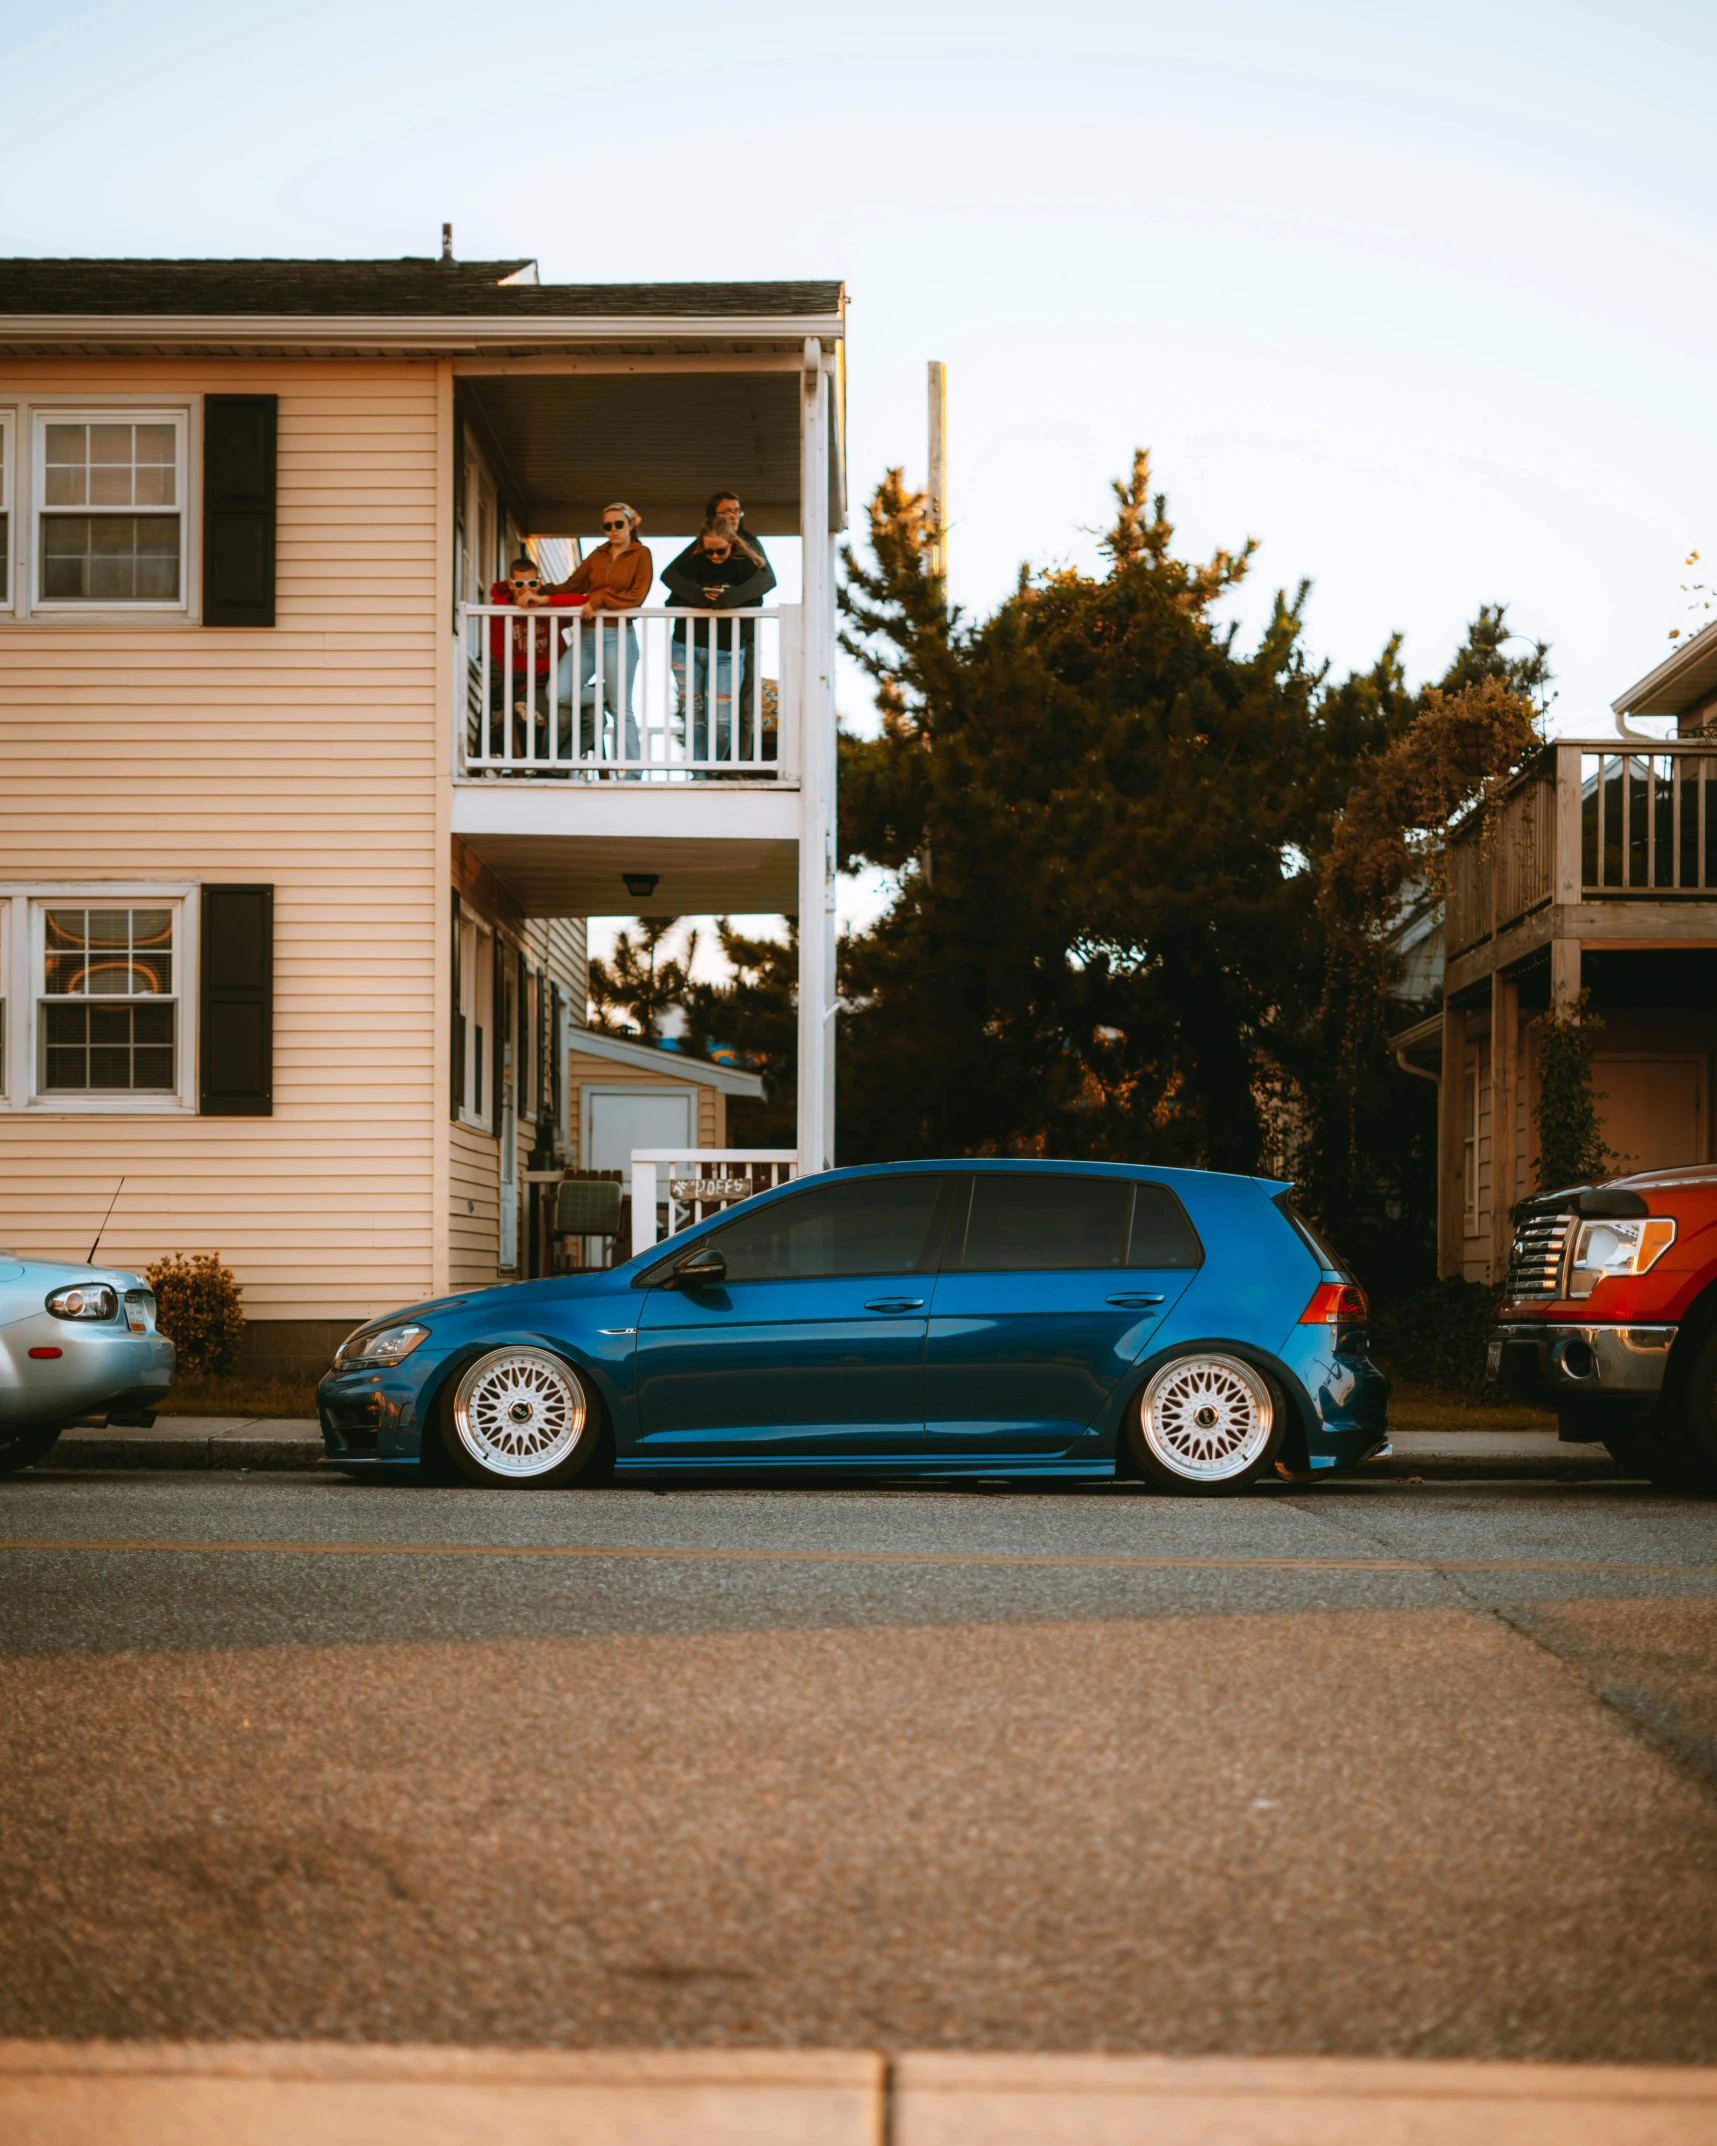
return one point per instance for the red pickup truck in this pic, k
(1610, 1317)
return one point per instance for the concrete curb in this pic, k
(193, 1442)
(332, 2094)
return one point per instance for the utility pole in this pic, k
(937, 489)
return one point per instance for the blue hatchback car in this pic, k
(1056, 1320)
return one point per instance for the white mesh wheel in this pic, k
(520, 1413)
(1206, 1419)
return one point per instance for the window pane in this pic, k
(112, 1048)
(112, 558)
(108, 953)
(874, 1225)
(67, 469)
(1163, 1235)
(1031, 1221)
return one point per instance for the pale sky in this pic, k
(1422, 297)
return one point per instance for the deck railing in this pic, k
(653, 695)
(673, 1188)
(1587, 822)
(1648, 821)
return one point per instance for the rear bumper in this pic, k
(1559, 1364)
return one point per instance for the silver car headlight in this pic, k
(1609, 1248)
(382, 1345)
(84, 1300)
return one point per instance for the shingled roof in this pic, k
(410, 288)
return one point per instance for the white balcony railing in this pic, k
(655, 695)
(671, 1189)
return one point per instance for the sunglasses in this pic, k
(616, 525)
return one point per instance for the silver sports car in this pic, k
(74, 1341)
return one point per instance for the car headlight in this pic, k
(379, 1345)
(84, 1301)
(1609, 1248)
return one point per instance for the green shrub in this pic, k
(1438, 1336)
(200, 1308)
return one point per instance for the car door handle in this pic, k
(895, 1304)
(1135, 1303)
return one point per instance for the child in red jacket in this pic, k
(523, 587)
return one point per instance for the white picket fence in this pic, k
(658, 694)
(677, 1189)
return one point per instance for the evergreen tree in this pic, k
(641, 983)
(1101, 807)
(755, 1016)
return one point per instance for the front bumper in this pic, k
(1563, 1363)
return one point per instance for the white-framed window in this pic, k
(473, 1001)
(109, 491)
(96, 997)
(8, 480)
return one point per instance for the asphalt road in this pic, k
(1375, 1769)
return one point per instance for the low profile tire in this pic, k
(521, 1418)
(1206, 1425)
(1675, 1449)
(25, 1444)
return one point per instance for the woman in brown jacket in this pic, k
(616, 578)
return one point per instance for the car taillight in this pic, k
(1336, 1304)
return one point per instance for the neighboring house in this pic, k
(1596, 870)
(292, 907)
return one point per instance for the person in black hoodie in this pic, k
(713, 657)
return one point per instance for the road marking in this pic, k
(658, 1553)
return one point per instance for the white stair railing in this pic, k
(679, 1186)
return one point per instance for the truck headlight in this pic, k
(1609, 1248)
(380, 1345)
(84, 1301)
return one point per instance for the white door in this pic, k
(617, 1120)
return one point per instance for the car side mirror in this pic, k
(701, 1269)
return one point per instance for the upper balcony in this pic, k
(1596, 840)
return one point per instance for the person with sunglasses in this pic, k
(718, 572)
(615, 579)
(532, 647)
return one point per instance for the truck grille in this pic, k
(1535, 1265)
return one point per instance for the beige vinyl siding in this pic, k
(586, 1069)
(475, 1231)
(304, 756)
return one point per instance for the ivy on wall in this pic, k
(1571, 1148)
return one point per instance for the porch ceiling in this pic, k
(563, 446)
(550, 877)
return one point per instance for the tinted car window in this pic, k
(1032, 1221)
(870, 1225)
(1163, 1235)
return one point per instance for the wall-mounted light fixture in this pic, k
(641, 885)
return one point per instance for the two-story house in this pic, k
(297, 840)
(1595, 871)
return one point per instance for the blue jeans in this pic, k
(608, 657)
(710, 731)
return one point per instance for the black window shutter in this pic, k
(457, 1098)
(239, 483)
(235, 1057)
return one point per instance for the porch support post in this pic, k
(1451, 1143)
(1504, 1062)
(816, 1136)
(1564, 975)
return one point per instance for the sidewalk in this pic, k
(330, 2094)
(281, 1442)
